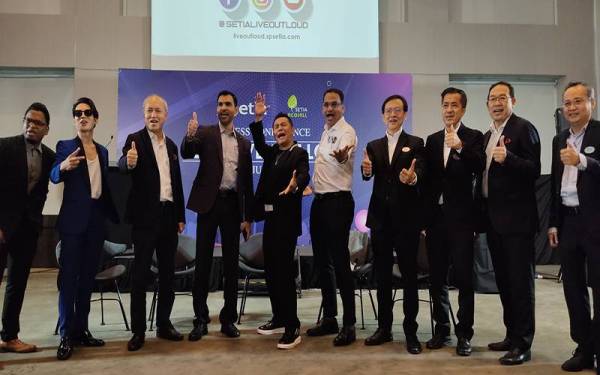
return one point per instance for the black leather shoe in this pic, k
(500, 346)
(65, 349)
(230, 330)
(86, 339)
(136, 342)
(438, 341)
(379, 337)
(463, 347)
(199, 330)
(325, 326)
(168, 333)
(346, 336)
(413, 346)
(515, 357)
(578, 362)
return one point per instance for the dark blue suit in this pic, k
(81, 230)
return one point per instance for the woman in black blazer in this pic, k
(278, 201)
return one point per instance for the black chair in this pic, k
(112, 273)
(185, 257)
(362, 267)
(252, 264)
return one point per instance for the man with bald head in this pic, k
(156, 212)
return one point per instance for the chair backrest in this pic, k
(111, 249)
(358, 246)
(186, 251)
(251, 251)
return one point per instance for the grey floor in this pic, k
(255, 354)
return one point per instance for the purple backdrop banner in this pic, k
(298, 94)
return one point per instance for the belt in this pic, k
(226, 193)
(165, 203)
(335, 194)
(570, 211)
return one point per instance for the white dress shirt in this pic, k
(95, 173)
(230, 158)
(164, 168)
(493, 141)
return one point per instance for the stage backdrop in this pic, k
(298, 94)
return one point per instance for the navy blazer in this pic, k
(588, 181)
(77, 202)
(390, 197)
(206, 143)
(511, 203)
(15, 203)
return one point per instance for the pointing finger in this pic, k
(412, 166)
(74, 153)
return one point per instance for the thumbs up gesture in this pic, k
(132, 156)
(499, 152)
(451, 139)
(192, 125)
(408, 176)
(72, 161)
(367, 165)
(569, 155)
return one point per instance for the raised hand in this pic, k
(72, 161)
(291, 186)
(451, 139)
(499, 152)
(569, 155)
(408, 176)
(341, 155)
(260, 108)
(132, 156)
(367, 165)
(192, 125)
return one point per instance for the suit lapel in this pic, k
(149, 149)
(402, 139)
(219, 145)
(439, 149)
(21, 161)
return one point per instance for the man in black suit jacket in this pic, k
(222, 196)
(575, 219)
(155, 208)
(278, 199)
(396, 162)
(455, 160)
(25, 165)
(508, 185)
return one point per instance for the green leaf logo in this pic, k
(292, 102)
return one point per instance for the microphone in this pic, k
(109, 141)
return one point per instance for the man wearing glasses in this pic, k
(512, 147)
(331, 215)
(25, 165)
(574, 219)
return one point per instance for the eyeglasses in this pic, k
(575, 102)
(395, 111)
(499, 99)
(332, 105)
(85, 112)
(30, 121)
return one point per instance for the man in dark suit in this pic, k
(222, 196)
(155, 209)
(575, 219)
(25, 165)
(455, 160)
(512, 147)
(396, 162)
(283, 177)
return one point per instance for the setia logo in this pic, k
(296, 111)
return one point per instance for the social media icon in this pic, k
(230, 5)
(294, 6)
(262, 5)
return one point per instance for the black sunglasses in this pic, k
(80, 113)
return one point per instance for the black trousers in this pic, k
(162, 238)
(405, 244)
(225, 215)
(279, 245)
(331, 215)
(448, 244)
(18, 255)
(513, 258)
(576, 247)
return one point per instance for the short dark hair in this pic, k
(589, 91)
(392, 97)
(225, 93)
(454, 90)
(280, 115)
(89, 102)
(511, 89)
(333, 90)
(40, 107)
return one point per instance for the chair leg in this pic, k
(153, 308)
(121, 305)
(299, 278)
(373, 304)
(56, 329)
(320, 312)
(243, 302)
(101, 305)
(452, 317)
(362, 311)
(430, 311)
